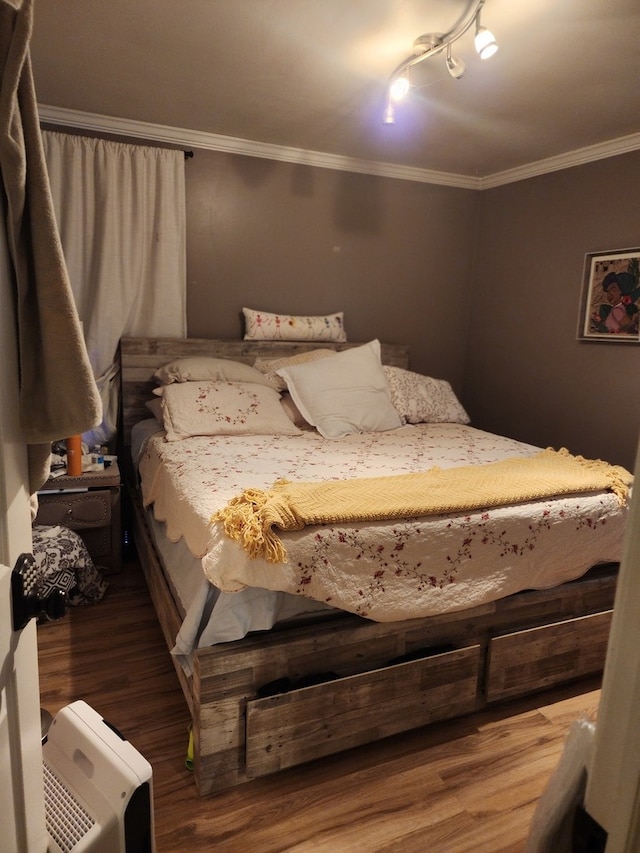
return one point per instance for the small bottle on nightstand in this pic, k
(74, 455)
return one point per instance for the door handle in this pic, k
(25, 598)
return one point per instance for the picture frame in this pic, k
(610, 303)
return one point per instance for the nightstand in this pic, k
(90, 505)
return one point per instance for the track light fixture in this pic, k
(431, 44)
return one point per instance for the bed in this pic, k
(312, 670)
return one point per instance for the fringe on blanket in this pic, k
(250, 517)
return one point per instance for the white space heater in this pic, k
(98, 788)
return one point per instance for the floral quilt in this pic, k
(385, 571)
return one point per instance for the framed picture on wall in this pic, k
(610, 305)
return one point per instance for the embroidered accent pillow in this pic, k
(261, 325)
(223, 408)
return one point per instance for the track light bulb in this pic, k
(485, 43)
(399, 89)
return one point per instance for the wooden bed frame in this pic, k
(392, 677)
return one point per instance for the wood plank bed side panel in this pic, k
(346, 644)
(169, 617)
(593, 592)
(350, 644)
(294, 728)
(218, 727)
(531, 660)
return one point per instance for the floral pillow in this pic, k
(421, 399)
(195, 368)
(344, 394)
(223, 408)
(269, 366)
(261, 325)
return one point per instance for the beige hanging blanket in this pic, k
(58, 394)
(251, 517)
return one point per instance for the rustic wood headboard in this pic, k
(141, 357)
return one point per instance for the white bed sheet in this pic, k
(388, 570)
(212, 616)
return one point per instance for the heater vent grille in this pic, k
(67, 821)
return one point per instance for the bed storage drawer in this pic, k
(311, 722)
(536, 658)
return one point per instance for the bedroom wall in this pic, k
(484, 286)
(527, 375)
(394, 255)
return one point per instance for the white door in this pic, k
(22, 816)
(612, 797)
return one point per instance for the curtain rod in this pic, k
(188, 155)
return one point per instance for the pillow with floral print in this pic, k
(421, 399)
(223, 408)
(261, 325)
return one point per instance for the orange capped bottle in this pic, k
(74, 455)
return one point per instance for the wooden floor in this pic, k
(470, 785)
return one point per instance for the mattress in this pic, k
(386, 571)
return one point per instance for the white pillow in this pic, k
(262, 325)
(195, 368)
(223, 408)
(421, 399)
(269, 366)
(344, 394)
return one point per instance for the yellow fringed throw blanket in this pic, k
(250, 518)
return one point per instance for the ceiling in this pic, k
(311, 75)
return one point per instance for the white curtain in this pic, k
(121, 213)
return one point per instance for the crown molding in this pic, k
(185, 138)
(611, 148)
